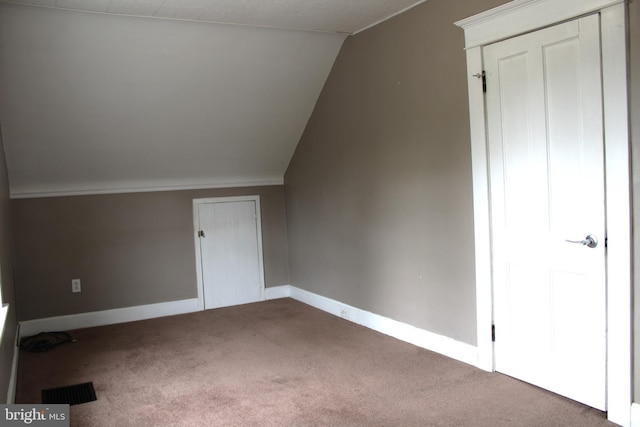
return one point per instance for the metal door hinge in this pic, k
(493, 333)
(200, 233)
(482, 76)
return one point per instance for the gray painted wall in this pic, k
(8, 343)
(379, 191)
(128, 249)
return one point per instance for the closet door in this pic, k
(230, 253)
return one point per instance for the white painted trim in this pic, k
(13, 379)
(11, 389)
(635, 415)
(618, 190)
(136, 188)
(196, 228)
(108, 317)
(528, 15)
(521, 16)
(198, 253)
(481, 211)
(419, 337)
(277, 292)
(4, 312)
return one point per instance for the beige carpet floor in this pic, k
(279, 363)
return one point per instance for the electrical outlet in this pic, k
(76, 286)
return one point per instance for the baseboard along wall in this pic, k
(419, 337)
(635, 414)
(108, 317)
(428, 340)
(13, 379)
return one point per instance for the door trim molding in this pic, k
(196, 239)
(512, 19)
(523, 16)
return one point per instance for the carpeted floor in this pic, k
(279, 363)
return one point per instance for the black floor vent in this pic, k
(72, 394)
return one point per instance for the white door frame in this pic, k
(196, 239)
(515, 18)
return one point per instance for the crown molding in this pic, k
(97, 189)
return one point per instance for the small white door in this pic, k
(544, 121)
(230, 252)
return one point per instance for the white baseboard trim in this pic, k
(13, 380)
(277, 292)
(108, 317)
(419, 337)
(635, 414)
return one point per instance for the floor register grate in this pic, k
(72, 394)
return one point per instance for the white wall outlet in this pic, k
(75, 285)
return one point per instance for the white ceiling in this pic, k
(97, 102)
(340, 16)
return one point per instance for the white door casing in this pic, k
(512, 19)
(227, 233)
(545, 141)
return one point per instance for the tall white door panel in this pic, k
(230, 252)
(544, 120)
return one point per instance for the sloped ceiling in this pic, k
(337, 16)
(101, 102)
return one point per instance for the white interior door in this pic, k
(544, 121)
(230, 253)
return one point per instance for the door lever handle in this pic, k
(590, 241)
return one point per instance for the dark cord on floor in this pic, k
(45, 341)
